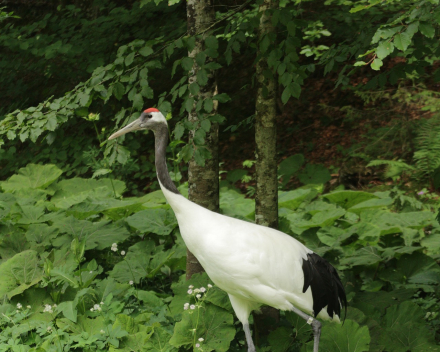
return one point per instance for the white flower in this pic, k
(114, 247)
(97, 307)
(49, 328)
(190, 286)
(102, 303)
(102, 332)
(47, 308)
(202, 289)
(28, 307)
(209, 285)
(197, 290)
(190, 291)
(186, 306)
(131, 282)
(197, 344)
(201, 339)
(122, 252)
(17, 311)
(54, 305)
(91, 309)
(192, 306)
(19, 306)
(198, 296)
(91, 272)
(114, 244)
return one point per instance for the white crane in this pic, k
(254, 264)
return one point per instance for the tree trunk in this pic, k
(266, 194)
(202, 180)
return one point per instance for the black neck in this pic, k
(161, 142)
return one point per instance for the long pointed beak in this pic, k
(134, 126)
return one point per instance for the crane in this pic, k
(254, 264)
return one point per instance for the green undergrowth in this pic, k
(83, 268)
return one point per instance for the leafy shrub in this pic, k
(85, 269)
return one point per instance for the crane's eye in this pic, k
(148, 116)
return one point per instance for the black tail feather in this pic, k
(327, 289)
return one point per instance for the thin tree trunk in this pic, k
(203, 180)
(266, 194)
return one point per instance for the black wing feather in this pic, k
(327, 288)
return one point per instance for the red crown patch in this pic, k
(151, 110)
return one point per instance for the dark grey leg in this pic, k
(250, 343)
(316, 326)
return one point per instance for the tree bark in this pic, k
(202, 180)
(266, 194)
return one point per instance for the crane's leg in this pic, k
(242, 309)
(250, 343)
(316, 326)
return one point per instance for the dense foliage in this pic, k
(83, 268)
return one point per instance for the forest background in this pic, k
(91, 258)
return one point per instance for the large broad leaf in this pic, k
(293, 199)
(214, 324)
(413, 270)
(158, 221)
(233, 203)
(7, 200)
(348, 199)
(333, 236)
(19, 273)
(289, 166)
(115, 209)
(314, 174)
(371, 204)
(32, 176)
(364, 256)
(136, 264)
(405, 330)
(75, 186)
(280, 339)
(159, 341)
(98, 235)
(349, 337)
(432, 242)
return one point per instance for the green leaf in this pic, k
(187, 63)
(405, 329)
(159, 341)
(138, 103)
(32, 176)
(98, 235)
(402, 41)
(129, 59)
(427, 29)
(233, 203)
(146, 51)
(208, 105)
(293, 199)
(286, 95)
(118, 90)
(213, 323)
(314, 174)
(136, 263)
(69, 310)
(280, 339)
(348, 199)
(19, 273)
(295, 89)
(221, 98)
(384, 49)
(376, 64)
(211, 42)
(347, 337)
(290, 166)
(159, 221)
(202, 77)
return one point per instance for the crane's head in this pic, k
(150, 119)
